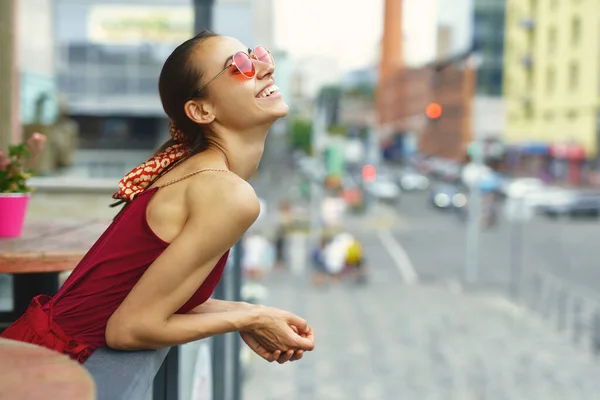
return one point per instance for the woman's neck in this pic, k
(240, 157)
(243, 158)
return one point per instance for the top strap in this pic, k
(192, 174)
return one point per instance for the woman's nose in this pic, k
(263, 69)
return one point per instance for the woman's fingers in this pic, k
(285, 357)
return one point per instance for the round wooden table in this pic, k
(29, 372)
(40, 254)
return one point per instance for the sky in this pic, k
(350, 30)
(347, 30)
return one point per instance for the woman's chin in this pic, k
(284, 110)
(277, 109)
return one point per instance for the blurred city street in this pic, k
(389, 340)
(436, 243)
(429, 191)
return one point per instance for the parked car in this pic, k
(384, 188)
(447, 196)
(572, 204)
(548, 195)
(411, 180)
(521, 187)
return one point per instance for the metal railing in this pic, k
(226, 367)
(121, 375)
(536, 283)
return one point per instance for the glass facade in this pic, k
(488, 42)
(108, 59)
(90, 71)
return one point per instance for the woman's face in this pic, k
(235, 99)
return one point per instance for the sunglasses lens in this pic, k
(244, 64)
(263, 55)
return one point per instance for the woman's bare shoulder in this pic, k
(223, 194)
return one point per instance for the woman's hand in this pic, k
(279, 333)
(277, 355)
(258, 348)
(308, 333)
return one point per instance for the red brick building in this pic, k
(405, 94)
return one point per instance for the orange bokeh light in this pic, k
(433, 111)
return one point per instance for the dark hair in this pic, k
(178, 82)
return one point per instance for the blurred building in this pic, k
(309, 76)
(109, 55)
(463, 75)
(26, 67)
(551, 86)
(391, 43)
(356, 105)
(444, 43)
(488, 20)
(35, 62)
(406, 97)
(250, 21)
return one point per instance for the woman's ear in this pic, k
(199, 111)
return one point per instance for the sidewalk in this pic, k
(390, 341)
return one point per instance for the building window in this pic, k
(575, 31)
(529, 78)
(548, 116)
(533, 5)
(573, 76)
(528, 113)
(572, 114)
(118, 132)
(552, 40)
(550, 80)
(553, 4)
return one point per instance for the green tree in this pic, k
(339, 130)
(301, 137)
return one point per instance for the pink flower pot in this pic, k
(13, 207)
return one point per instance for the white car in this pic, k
(413, 181)
(384, 189)
(520, 187)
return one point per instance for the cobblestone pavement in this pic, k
(387, 340)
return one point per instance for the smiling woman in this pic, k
(146, 283)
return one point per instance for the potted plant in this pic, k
(15, 170)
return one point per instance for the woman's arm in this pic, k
(217, 219)
(214, 305)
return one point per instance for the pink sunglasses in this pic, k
(242, 61)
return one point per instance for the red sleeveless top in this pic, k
(74, 320)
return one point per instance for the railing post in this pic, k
(237, 296)
(596, 333)
(226, 372)
(166, 381)
(218, 349)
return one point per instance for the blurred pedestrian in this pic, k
(147, 282)
(284, 219)
(318, 262)
(335, 255)
(355, 261)
(491, 209)
(258, 257)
